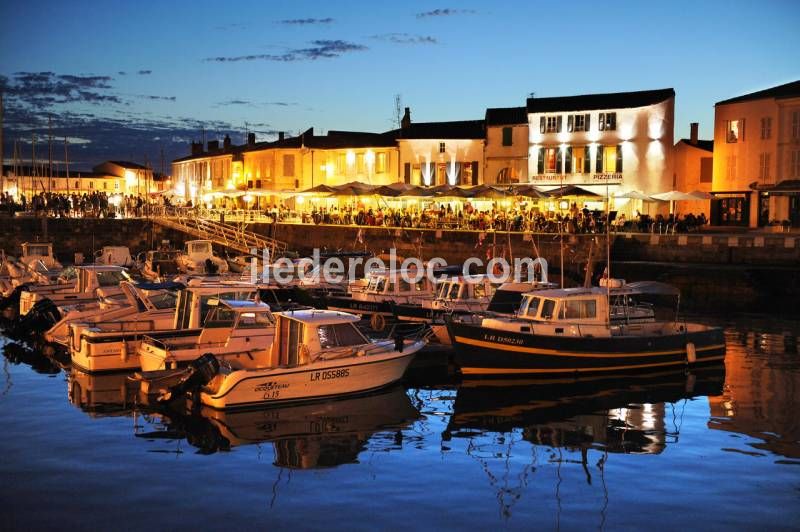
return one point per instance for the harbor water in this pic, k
(714, 449)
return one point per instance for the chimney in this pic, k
(251, 139)
(213, 145)
(405, 122)
(280, 135)
(226, 142)
(693, 129)
(197, 148)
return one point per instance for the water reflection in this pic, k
(761, 389)
(101, 395)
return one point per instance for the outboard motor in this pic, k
(199, 373)
(41, 317)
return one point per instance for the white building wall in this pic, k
(417, 152)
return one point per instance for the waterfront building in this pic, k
(439, 153)
(623, 140)
(506, 150)
(130, 178)
(27, 180)
(693, 167)
(756, 177)
(217, 168)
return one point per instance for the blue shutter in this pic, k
(619, 158)
(599, 159)
(542, 124)
(475, 177)
(540, 164)
(601, 124)
(588, 121)
(568, 169)
(559, 123)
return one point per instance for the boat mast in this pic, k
(2, 147)
(561, 228)
(50, 153)
(608, 256)
(66, 162)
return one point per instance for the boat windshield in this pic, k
(38, 250)
(254, 320)
(111, 278)
(339, 335)
(532, 307)
(453, 294)
(578, 309)
(548, 307)
(202, 248)
(162, 300)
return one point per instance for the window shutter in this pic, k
(568, 161)
(602, 122)
(599, 160)
(587, 160)
(571, 123)
(474, 172)
(612, 121)
(619, 157)
(559, 161)
(540, 165)
(542, 124)
(587, 121)
(559, 123)
(407, 173)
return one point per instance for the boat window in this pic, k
(220, 317)
(392, 286)
(576, 309)
(380, 285)
(454, 291)
(479, 290)
(201, 247)
(162, 300)
(39, 250)
(255, 320)
(533, 307)
(339, 335)
(404, 286)
(442, 290)
(112, 278)
(547, 309)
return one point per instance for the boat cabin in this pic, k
(228, 320)
(306, 336)
(162, 262)
(114, 255)
(198, 250)
(194, 302)
(93, 277)
(150, 296)
(34, 252)
(389, 285)
(467, 292)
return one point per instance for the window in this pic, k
(547, 309)
(533, 307)
(796, 125)
(255, 320)
(479, 290)
(766, 127)
(553, 124)
(507, 136)
(339, 335)
(116, 185)
(794, 169)
(551, 165)
(341, 164)
(608, 122)
(609, 159)
(105, 185)
(288, 165)
(578, 123)
(91, 184)
(454, 289)
(380, 162)
(733, 130)
(763, 166)
(706, 169)
(441, 147)
(579, 309)
(578, 155)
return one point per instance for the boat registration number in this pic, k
(330, 374)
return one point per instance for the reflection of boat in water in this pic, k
(18, 353)
(108, 394)
(310, 435)
(624, 414)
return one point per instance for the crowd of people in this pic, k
(434, 216)
(93, 205)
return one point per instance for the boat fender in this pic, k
(377, 322)
(691, 353)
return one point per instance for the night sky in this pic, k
(125, 80)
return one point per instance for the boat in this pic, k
(379, 293)
(315, 354)
(36, 266)
(239, 333)
(140, 302)
(115, 256)
(581, 330)
(467, 295)
(160, 265)
(198, 257)
(114, 345)
(89, 279)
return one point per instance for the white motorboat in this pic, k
(114, 345)
(114, 256)
(315, 354)
(198, 257)
(90, 278)
(239, 333)
(141, 302)
(36, 265)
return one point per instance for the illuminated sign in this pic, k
(557, 179)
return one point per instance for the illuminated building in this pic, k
(757, 158)
(439, 153)
(620, 139)
(110, 177)
(693, 167)
(507, 135)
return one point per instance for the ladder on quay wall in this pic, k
(220, 233)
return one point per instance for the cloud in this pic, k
(122, 73)
(445, 12)
(145, 72)
(405, 38)
(306, 21)
(320, 49)
(45, 89)
(281, 104)
(155, 97)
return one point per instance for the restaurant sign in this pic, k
(577, 179)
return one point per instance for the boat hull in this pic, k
(307, 383)
(481, 351)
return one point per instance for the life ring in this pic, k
(377, 322)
